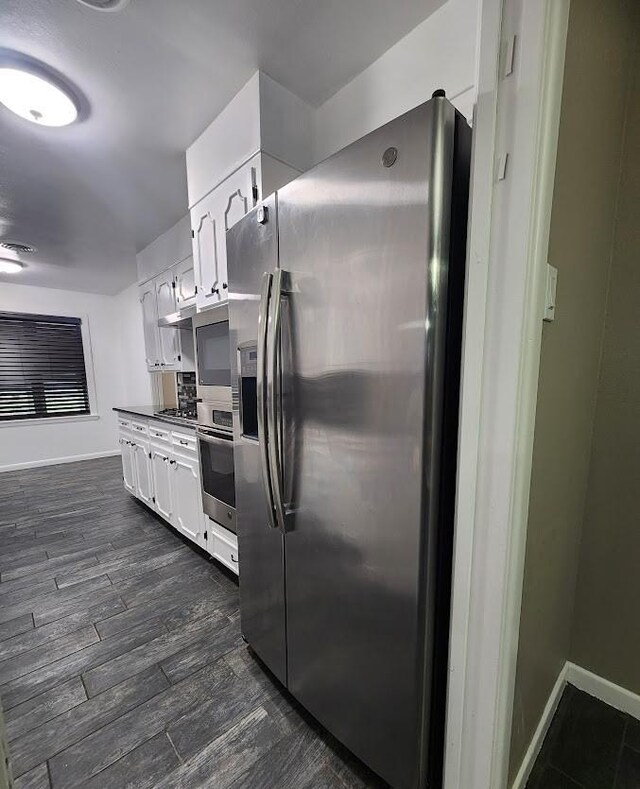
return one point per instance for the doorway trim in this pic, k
(518, 117)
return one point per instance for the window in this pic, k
(42, 368)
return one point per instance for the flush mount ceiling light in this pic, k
(15, 246)
(105, 5)
(10, 266)
(36, 98)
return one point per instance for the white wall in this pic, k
(135, 380)
(438, 53)
(117, 350)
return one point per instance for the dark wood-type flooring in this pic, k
(121, 660)
(589, 745)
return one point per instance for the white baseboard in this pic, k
(540, 733)
(612, 694)
(57, 461)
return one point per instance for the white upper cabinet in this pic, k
(262, 116)
(150, 325)
(219, 211)
(166, 293)
(166, 348)
(258, 143)
(207, 231)
(211, 219)
(185, 283)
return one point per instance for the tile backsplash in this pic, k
(186, 387)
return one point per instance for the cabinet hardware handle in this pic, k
(233, 559)
(172, 462)
(184, 442)
(224, 285)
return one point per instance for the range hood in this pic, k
(178, 320)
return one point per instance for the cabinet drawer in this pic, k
(159, 434)
(226, 552)
(184, 442)
(140, 428)
(124, 424)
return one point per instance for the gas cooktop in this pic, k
(177, 413)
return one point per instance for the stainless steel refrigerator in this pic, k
(346, 293)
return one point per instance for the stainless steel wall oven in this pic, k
(215, 448)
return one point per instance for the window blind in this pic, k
(42, 370)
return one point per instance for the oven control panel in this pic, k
(223, 419)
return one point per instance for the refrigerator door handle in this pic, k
(273, 344)
(261, 392)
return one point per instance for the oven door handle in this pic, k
(214, 438)
(278, 288)
(261, 392)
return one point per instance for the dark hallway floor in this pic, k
(590, 745)
(121, 660)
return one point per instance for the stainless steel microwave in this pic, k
(213, 359)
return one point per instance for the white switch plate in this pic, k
(550, 293)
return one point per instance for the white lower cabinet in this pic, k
(144, 476)
(160, 467)
(161, 472)
(222, 544)
(187, 497)
(128, 465)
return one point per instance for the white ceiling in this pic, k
(90, 195)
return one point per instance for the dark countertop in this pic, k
(149, 412)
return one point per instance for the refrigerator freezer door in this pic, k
(252, 249)
(363, 241)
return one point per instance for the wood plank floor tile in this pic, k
(14, 627)
(142, 768)
(23, 688)
(228, 756)
(47, 653)
(38, 778)
(48, 705)
(121, 654)
(135, 660)
(104, 747)
(80, 722)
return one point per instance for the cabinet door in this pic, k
(144, 477)
(165, 293)
(161, 472)
(206, 232)
(187, 498)
(169, 348)
(150, 325)
(235, 197)
(128, 468)
(184, 278)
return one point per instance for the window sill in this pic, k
(49, 420)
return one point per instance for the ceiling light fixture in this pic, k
(105, 5)
(36, 98)
(17, 247)
(10, 266)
